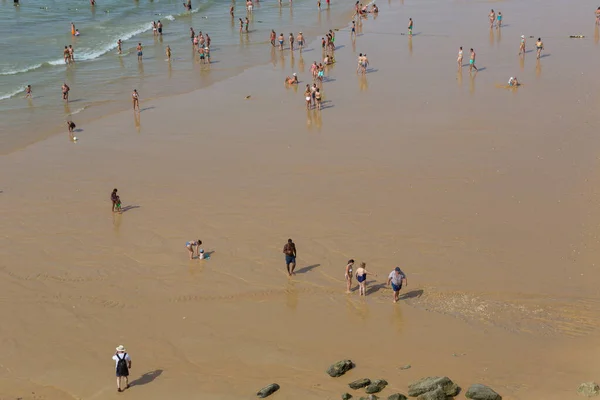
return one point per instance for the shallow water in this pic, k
(36, 32)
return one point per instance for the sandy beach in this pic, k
(486, 197)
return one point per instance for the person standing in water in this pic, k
(66, 55)
(410, 27)
(361, 277)
(72, 29)
(231, 12)
(539, 45)
(28, 93)
(190, 246)
(113, 198)
(472, 61)
(291, 40)
(272, 37)
(281, 41)
(247, 23)
(119, 46)
(168, 53)
(140, 51)
(499, 20)
(290, 256)
(348, 275)
(135, 98)
(159, 26)
(492, 17)
(459, 60)
(395, 279)
(71, 54)
(522, 45)
(300, 40)
(65, 92)
(598, 16)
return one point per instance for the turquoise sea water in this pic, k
(34, 34)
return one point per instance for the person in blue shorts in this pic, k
(396, 279)
(290, 256)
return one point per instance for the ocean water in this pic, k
(34, 34)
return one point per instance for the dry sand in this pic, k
(487, 198)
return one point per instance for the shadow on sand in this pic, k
(148, 377)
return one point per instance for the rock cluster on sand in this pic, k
(360, 383)
(268, 390)
(376, 386)
(481, 392)
(588, 389)
(432, 388)
(339, 368)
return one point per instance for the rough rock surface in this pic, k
(481, 392)
(588, 389)
(346, 396)
(369, 397)
(268, 390)
(397, 396)
(360, 383)
(431, 383)
(339, 368)
(376, 386)
(437, 394)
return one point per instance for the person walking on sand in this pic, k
(123, 365)
(410, 27)
(492, 17)
(499, 20)
(472, 61)
(290, 256)
(135, 98)
(459, 60)
(272, 37)
(190, 246)
(140, 51)
(539, 45)
(168, 52)
(522, 45)
(66, 55)
(598, 16)
(71, 126)
(281, 41)
(361, 277)
(113, 198)
(300, 40)
(396, 279)
(348, 275)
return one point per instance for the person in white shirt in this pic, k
(123, 365)
(396, 279)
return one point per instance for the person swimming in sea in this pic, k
(188, 5)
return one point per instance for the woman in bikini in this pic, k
(190, 246)
(308, 96)
(361, 277)
(318, 98)
(348, 275)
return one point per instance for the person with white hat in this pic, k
(293, 80)
(522, 46)
(123, 365)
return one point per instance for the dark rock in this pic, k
(369, 397)
(339, 368)
(588, 389)
(268, 390)
(361, 383)
(431, 383)
(481, 392)
(346, 396)
(407, 366)
(397, 396)
(437, 394)
(376, 386)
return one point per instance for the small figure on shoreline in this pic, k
(499, 19)
(168, 52)
(123, 365)
(71, 54)
(472, 61)
(291, 40)
(459, 60)
(272, 37)
(348, 275)
(66, 55)
(135, 98)
(410, 27)
(28, 93)
(598, 16)
(281, 41)
(300, 40)
(159, 26)
(71, 127)
(293, 80)
(361, 277)
(115, 199)
(290, 256)
(513, 82)
(194, 244)
(140, 51)
(522, 45)
(119, 46)
(492, 17)
(539, 45)
(396, 278)
(65, 92)
(72, 29)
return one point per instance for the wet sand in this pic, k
(487, 198)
